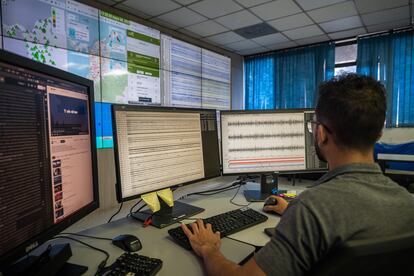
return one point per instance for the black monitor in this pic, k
(267, 141)
(48, 173)
(161, 147)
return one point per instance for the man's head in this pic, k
(351, 110)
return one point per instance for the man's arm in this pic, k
(206, 244)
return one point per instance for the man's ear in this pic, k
(380, 135)
(323, 134)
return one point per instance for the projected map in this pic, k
(131, 61)
(58, 23)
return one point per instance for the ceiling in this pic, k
(295, 22)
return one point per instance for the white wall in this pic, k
(397, 135)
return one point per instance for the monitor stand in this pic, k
(168, 215)
(50, 262)
(265, 188)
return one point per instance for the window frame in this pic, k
(346, 43)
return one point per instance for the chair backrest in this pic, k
(379, 256)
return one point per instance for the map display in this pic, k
(63, 24)
(81, 64)
(130, 61)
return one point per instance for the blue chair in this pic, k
(397, 162)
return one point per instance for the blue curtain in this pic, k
(390, 59)
(288, 79)
(259, 82)
(299, 73)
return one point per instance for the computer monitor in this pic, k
(267, 141)
(48, 174)
(161, 147)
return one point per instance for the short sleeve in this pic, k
(296, 245)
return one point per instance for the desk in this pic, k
(157, 243)
(220, 203)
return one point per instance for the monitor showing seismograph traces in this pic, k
(267, 141)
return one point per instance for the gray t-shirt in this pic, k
(348, 203)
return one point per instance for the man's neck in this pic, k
(346, 156)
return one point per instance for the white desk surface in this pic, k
(220, 203)
(157, 243)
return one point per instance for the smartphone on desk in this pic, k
(269, 231)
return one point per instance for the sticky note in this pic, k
(151, 199)
(167, 196)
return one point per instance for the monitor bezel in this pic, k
(123, 107)
(28, 64)
(263, 111)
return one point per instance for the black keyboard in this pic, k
(227, 223)
(133, 264)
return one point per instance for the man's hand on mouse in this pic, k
(279, 208)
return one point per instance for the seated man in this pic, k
(354, 200)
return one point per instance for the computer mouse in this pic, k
(270, 201)
(269, 231)
(128, 243)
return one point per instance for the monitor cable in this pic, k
(117, 212)
(86, 236)
(216, 191)
(237, 204)
(131, 211)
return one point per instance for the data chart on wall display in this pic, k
(215, 66)
(215, 95)
(59, 23)
(263, 142)
(180, 89)
(181, 74)
(131, 59)
(216, 76)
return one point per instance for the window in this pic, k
(345, 57)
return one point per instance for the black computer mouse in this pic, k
(270, 201)
(128, 243)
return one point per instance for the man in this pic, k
(354, 200)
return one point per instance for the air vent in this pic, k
(256, 30)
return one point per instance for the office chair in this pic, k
(379, 256)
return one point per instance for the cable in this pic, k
(101, 264)
(219, 190)
(86, 236)
(234, 203)
(117, 212)
(214, 193)
(132, 208)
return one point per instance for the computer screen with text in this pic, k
(159, 147)
(47, 167)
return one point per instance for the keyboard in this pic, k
(133, 264)
(227, 223)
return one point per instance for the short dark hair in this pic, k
(353, 107)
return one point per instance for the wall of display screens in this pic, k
(129, 63)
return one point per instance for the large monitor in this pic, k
(160, 147)
(48, 174)
(268, 141)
